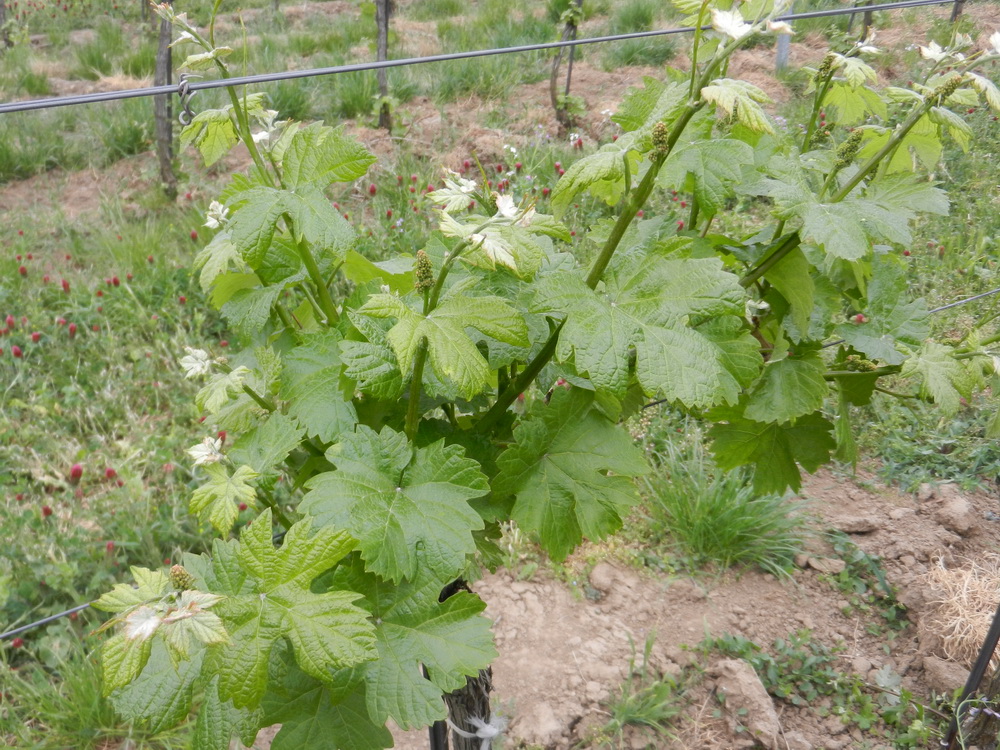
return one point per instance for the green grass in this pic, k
(431, 10)
(711, 517)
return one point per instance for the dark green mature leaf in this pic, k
(248, 310)
(311, 384)
(789, 388)
(712, 167)
(327, 631)
(412, 627)
(218, 720)
(317, 715)
(570, 470)
(320, 155)
(891, 318)
(409, 510)
(774, 450)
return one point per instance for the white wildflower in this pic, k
(208, 451)
(217, 213)
(261, 136)
(780, 27)
(730, 23)
(934, 52)
(197, 362)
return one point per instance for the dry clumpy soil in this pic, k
(565, 647)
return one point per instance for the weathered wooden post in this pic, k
(162, 113)
(383, 9)
(559, 103)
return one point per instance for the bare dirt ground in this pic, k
(565, 646)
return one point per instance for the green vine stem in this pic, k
(279, 514)
(817, 108)
(325, 300)
(416, 384)
(784, 246)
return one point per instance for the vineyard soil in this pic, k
(565, 646)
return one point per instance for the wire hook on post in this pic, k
(186, 115)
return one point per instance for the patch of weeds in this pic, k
(141, 62)
(643, 700)
(715, 517)
(97, 58)
(650, 52)
(292, 100)
(355, 94)
(863, 581)
(430, 10)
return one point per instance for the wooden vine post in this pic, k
(162, 113)
(560, 102)
(383, 10)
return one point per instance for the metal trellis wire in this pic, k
(189, 87)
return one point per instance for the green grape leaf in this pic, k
(451, 352)
(788, 388)
(644, 306)
(310, 382)
(712, 166)
(218, 719)
(372, 364)
(212, 132)
(397, 272)
(890, 317)
(836, 228)
(792, 277)
(217, 501)
(161, 696)
(854, 104)
(149, 585)
(219, 388)
(412, 628)
(945, 380)
(644, 107)
(988, 90)
(215, 258)
(267, 445)
(248, 310)
(570, 471)
(959, 128)
(257, 211)
(327, 631)
(122, 659)
(602, 173)
(741, 100)
(857, 71)
(320, 155)
(314, 714)
(774, 450)
(405, 513)
(205, 60)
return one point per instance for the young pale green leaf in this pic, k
(160, 697)
(396, 273)
(450, 638)
(267, 445)
(205, 60)
(836, 228)
(451, 352)
(960, 130)
(215, 258)
(217, 501)
(857, 71)
(570, 470)
(327, 631)
(372, 364)
(654, 102)
(217, 391)
(789, 388)
(257, 211)
(150, 584)
(847, 447)
(122, 659)
(212, 132)
(314, 714)
(311, 384)
(741, 100)
(320, 155)
(406, 514)
(988, 89)
(945, 380)
(712, 166)
(602, 173)
(774, 450)
(854, 104)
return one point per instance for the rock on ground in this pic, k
(747, 702)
